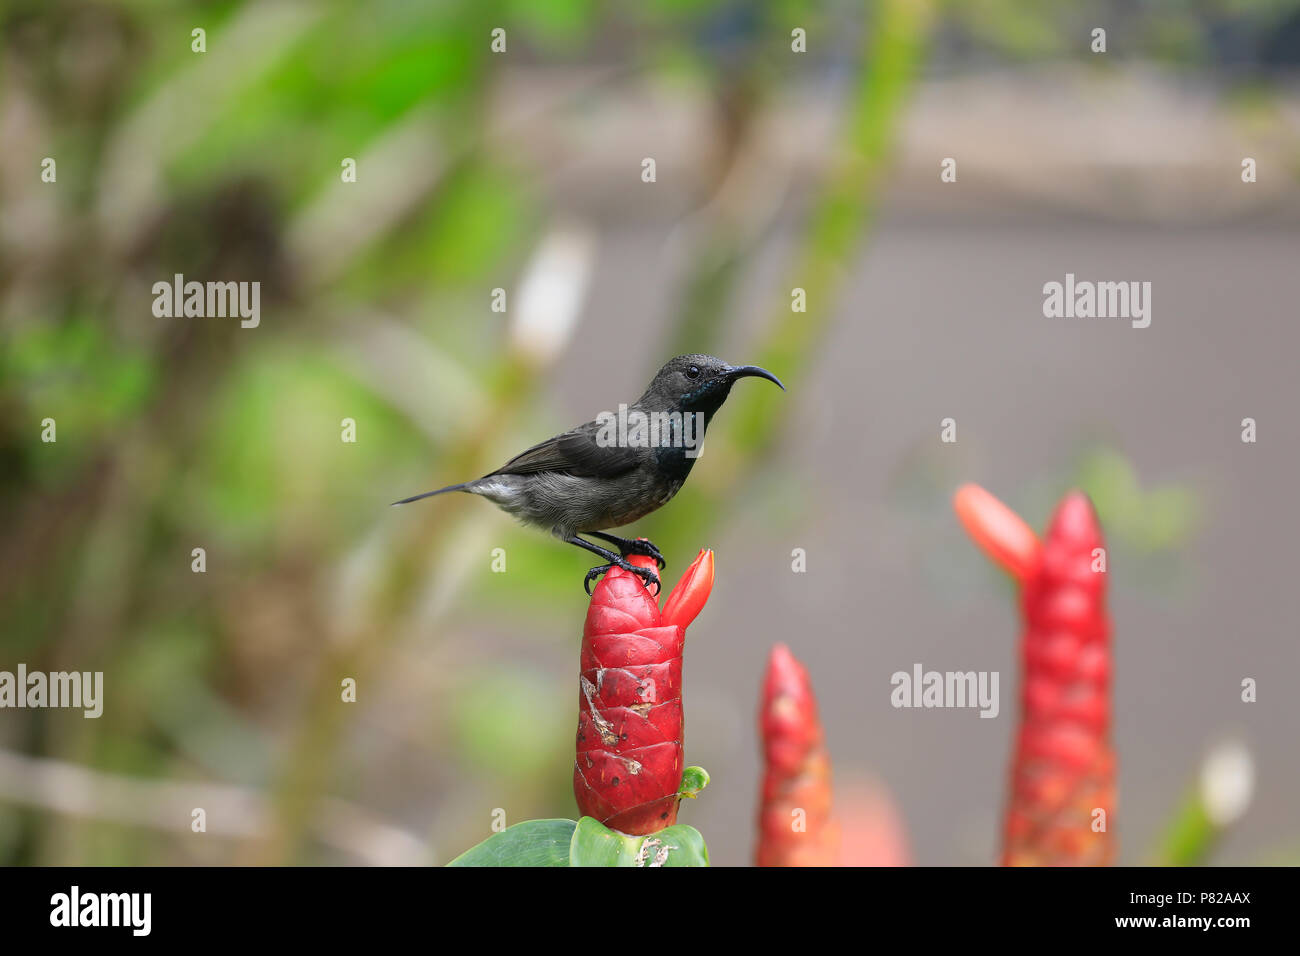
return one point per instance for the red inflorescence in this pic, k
(795, 826)
(1063, 778)
(629, 755)
(1063, 773)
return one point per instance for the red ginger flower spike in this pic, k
(795, 826)
(629, 756)
(1064, 768)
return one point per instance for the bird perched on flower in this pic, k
(618, 468)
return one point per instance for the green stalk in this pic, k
(894, 44)
(1190, 837)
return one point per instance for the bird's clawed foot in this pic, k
(627, 546)
(644, 548)
(645, 574)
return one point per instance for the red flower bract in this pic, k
(1063, 773)
(795, 827)
(1063, 778)
(629, 754)
(1000, 532)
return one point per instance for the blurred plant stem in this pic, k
(894, 43)
(1221, 797)
(1190, 837)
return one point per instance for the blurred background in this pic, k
(522, 171)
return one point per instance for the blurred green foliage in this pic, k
(1163, 518)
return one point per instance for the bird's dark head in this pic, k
(698, 383)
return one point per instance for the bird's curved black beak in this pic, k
(747, 371)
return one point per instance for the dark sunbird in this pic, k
(618, 468)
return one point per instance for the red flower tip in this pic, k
(789, 714)
(998, 531)
(1075, 520)
(688, 598)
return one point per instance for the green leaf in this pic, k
(596, 845)
(677, 845)
(694, 779)
(531, 843)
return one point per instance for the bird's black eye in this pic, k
(693, 372)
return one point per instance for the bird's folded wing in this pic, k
(575, 453)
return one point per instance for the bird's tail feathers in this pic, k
(430, 494)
